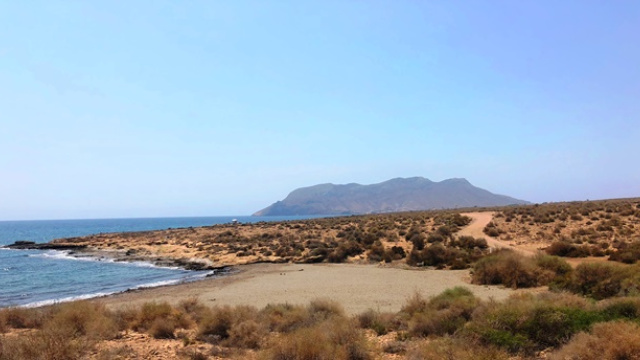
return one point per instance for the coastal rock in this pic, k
(30, 245)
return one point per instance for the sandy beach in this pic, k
(356, 287)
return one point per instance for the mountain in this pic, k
(400, 194)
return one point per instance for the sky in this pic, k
(113, 109)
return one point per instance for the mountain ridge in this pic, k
(394, 195)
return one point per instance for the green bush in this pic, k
(442, 314)
(527, 323)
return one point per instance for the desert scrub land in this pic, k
(452, 325)
(605, 230)
(575, 229)
(419, 239)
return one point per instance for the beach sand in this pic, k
(356, 287)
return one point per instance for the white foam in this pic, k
(100, 294)
(66, 255)
(149, 265)
(66, 299)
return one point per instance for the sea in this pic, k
(31, 278)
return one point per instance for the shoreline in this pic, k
(67, 253)
(124, 256)
(356, 287)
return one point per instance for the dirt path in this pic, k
(480, 220)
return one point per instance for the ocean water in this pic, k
(37, 277)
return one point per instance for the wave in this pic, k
(66, 299)
(155, 284)
(149, 265)
(68, 255)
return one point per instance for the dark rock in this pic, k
(30, 245)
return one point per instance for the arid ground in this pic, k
(365, 287)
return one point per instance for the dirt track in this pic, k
(480, 220)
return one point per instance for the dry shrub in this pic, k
(620, 308)
(336, 339)
(379, 322)
(42, 345)
(611, 340)
(68, 331)
(22, 318)
(415, 304)
(510, 269)
(194, 309)
(247, 334)
(323, 309)
(217, 325)
(555, 264)
(604, 280)
(160, 320)
(82, 319)
(628, 255)
(454, 348)
(395, 347)
(442, 314)
(149, 313)
(163, 329)
(567, 249)
(284, 317)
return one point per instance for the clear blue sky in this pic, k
(182, 108)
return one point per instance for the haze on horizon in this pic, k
(114, 109)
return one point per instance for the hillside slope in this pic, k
(400, 194)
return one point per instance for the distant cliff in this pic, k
(401, 194)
